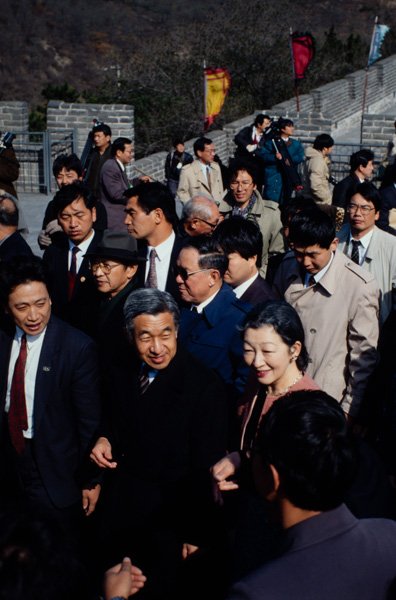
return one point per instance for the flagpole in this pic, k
(294, 77)
(366, 82)
(204, 74)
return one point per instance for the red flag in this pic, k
(302, 50)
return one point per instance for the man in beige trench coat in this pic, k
(338, 303)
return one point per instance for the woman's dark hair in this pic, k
(285, 321)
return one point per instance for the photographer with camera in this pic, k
(9, 165)
(281, 155)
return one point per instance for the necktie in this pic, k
(17, 415)
(73, 266)
(355, 251)
(144, 380)
(311, 281)
(208, 178)
(151, 281)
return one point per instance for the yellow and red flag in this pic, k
(217, 84)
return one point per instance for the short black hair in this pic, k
(259, 120)
(9, 217)
(361, 157)
(242, 164)
(295, 205)
(282, 123)
(155, 195)
(324, 140)
(69, 193)
(70, 162)
(102, 127)
(284, 319)
(369, 193)
(19, 270)
(311, 227)
(200, 143)
(119, 144)
(177, 141)
(240, 235)
(305, 436)
(211, 254)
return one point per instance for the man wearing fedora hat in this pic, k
(114, 263)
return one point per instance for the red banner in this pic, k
(302, 50)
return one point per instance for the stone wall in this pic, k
(14, 116)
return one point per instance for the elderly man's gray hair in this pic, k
(199, 207)
(149, 301)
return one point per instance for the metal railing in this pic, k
(36, 152)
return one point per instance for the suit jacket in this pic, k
(388, 210)
(214, 338)
(258, 292)
(331, 555)
(344, 191)
(340, 319)
(81, 311)
(171, 285)
(380, 260)
(244, 138)
(193, 182)
(113, 183)
(66, 406)
(14, 245)
(164, 443)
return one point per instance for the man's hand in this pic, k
(90, 497)
(101, 454)
(188, 550)
(226, 467)
(145, 179)
(123, 580)
(278, 156)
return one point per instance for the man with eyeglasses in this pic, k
(244, 200)
(200, 216)
(73, 291)
(208, 329)
(369, 246)
(202, 175)
(114, 263)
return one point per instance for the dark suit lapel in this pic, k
(5, 353)
(84, 273)
(46, 370)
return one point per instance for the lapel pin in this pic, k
(82, 279)
(46, 368)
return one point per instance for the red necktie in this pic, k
(17, 415)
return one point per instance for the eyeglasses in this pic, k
(184, 274)
(352, 208)
(212, 225)
(243, 186)
(104, 267)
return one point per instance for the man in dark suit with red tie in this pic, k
(49, 397)
(74, 296)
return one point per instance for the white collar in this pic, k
(84, 245)
(321, 273)
(365, 240)
(205, 303)
(241, 289)
(164, 248)
(30, 339)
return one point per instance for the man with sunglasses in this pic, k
(208, 329)
(200, 216)
(369, 246)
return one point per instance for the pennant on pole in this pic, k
(217, 84)
(376, 41)
(302, 51)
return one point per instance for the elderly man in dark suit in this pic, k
(11, 241)
(49, 396)
(114, 182)
(242, 241)
(74, 296)
(208, 328)
(164, 423)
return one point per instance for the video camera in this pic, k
(274, 129)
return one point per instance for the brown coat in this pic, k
(193, 182)
(340, 319)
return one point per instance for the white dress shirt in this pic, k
(201, 306)
(162, 261)
(241, 289)
(320, 274)
(83, 250)
(364, 244)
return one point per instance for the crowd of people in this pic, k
(198, 384)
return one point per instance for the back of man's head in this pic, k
(155, 195)
(240, 235)
(311, 228)
(306, 438)
(324, 140)
(199, 207)
(70, 162)
(9, 214)
(67, 194)
(360, 158)
(295, 205)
